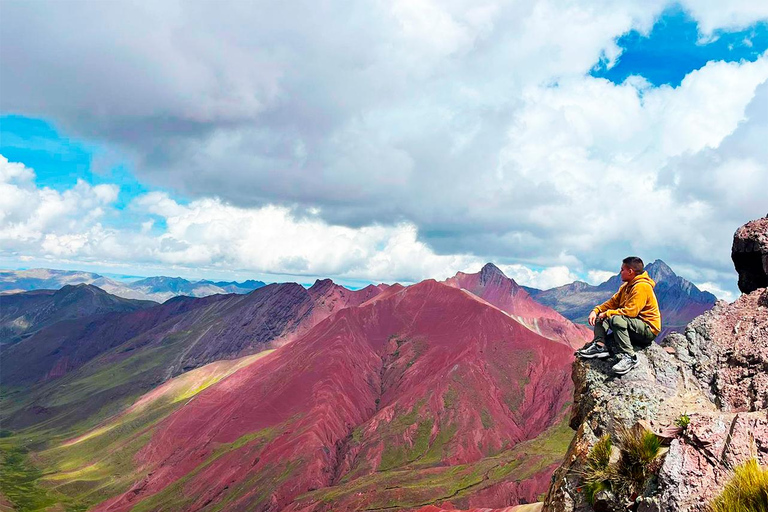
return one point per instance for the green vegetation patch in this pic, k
(173, 496)
(396, 455)
(19, 481)
(418, 484)
(450, 397)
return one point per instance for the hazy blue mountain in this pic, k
(158, 289)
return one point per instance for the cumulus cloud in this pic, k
(30, 216)
(445, 133)
(207, 233)
(543, 279)
(596, 277)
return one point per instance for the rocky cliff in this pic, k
(704, 394)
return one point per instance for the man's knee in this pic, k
(619, 322)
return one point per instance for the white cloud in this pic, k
(210, 233)
(543, 279)
(713, 14)
(720, 293)
(595, 277)
(30, 215)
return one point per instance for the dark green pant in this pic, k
(625, 332)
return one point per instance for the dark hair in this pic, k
(634, 263)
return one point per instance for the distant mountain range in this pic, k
(680, 300)
(158, 289)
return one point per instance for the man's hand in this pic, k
(592, 318)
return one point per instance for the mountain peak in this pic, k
(659, 270)
(80, 289)
(489, 272)
(322, 285)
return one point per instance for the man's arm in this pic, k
(636, 300)
(611, 303)
(598, 313)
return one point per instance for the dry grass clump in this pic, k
(597, 475)
(747, 491)
(639, 459)
(640, 451)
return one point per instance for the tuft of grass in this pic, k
(683, 421)
(591, 489)
(639, 460)
(597, 474)
(747, 491)
(600, 455)
(640, 450)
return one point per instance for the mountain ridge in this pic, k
(23, 314)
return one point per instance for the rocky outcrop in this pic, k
(727, 352)
(750, 255)
(705, 393)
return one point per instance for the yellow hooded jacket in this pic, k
(635, 299)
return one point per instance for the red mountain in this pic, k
(491, 285)
(421, 392)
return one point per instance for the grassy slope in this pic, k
(97, 464)
(414, 486)
(108, 383)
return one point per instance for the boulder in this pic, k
(750, 255)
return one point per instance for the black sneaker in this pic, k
(593, 351)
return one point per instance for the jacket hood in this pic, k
(644, 277)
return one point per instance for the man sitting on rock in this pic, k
(632, 315)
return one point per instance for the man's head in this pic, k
(631, 266)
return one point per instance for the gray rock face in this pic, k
(657, 391)
(715, 373)
(750, 255)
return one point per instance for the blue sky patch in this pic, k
(675, 47)
(59, 161)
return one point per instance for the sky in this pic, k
(382, 141)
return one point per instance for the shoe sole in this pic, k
(599, 355)
(625, 371)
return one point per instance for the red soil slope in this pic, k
(421, 377)
(491, 285)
